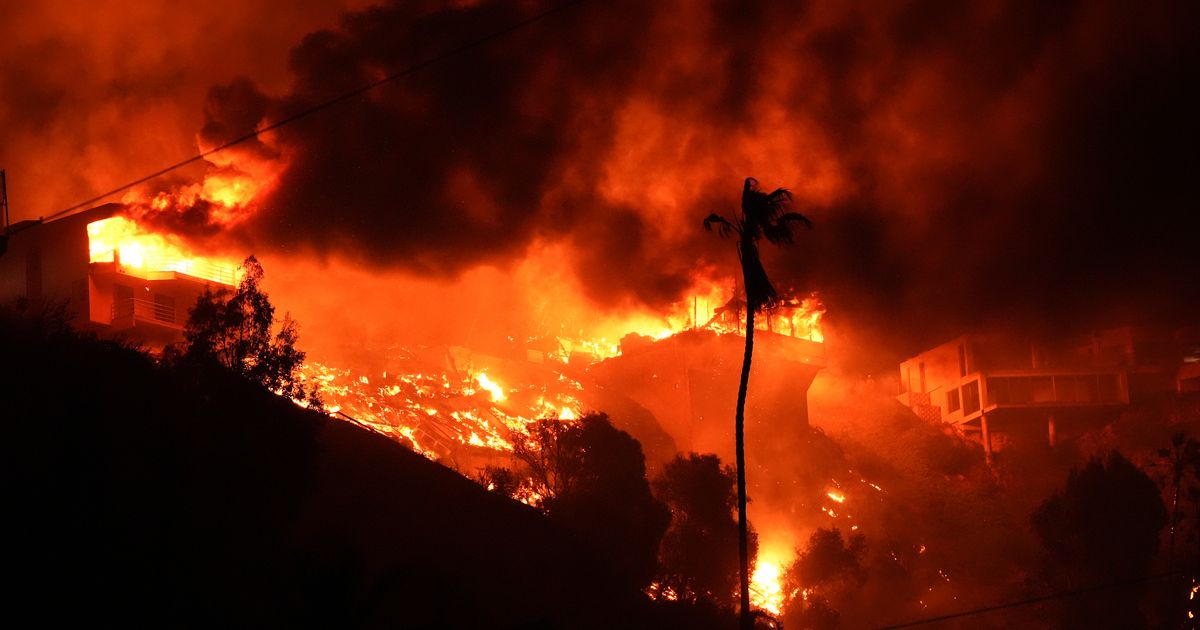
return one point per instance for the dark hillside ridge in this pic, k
(139, 495)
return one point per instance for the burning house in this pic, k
(459, 404)
(689, 380)
(466, 405)
(112, 277)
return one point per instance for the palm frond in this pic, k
(725, 227)
(779, 231)
(795, 217)
(776, 201)
(759, 207)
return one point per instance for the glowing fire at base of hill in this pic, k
(766, 583)
(442, 399)
(431, 400)
(447, 401)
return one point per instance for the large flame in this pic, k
(123, 242)
(766, 582)
(453, 401)
(708, 305)
(491, 387)
(441, 402)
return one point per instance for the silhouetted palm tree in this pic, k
(763, 216)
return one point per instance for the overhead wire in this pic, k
(308, 111)
(1032, 600)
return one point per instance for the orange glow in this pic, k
(123, 242)
(704, 307)
(766, 584)
(836, 496)
(439, 411)
(490, 386)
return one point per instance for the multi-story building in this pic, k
(990, 385)
(1001, 389)
(110, 278)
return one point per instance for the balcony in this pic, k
(128, 312)
(1035, 388)
(172, 267)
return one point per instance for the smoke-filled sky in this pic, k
(965, 164)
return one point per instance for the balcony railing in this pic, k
(132, 310)
(1047, 387)
(195, 268)
(153, 268)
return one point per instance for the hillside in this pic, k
(140, 495)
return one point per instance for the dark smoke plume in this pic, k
(965, 164)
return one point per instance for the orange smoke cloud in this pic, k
(940, 148)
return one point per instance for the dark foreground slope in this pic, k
(137, 495)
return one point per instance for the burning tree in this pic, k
(235, 331)
(763, 216)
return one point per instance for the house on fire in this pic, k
(1004, 390)
(111, 279)
(689, 382)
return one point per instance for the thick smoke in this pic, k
(96, 93)
(965, 164)
(978, 163)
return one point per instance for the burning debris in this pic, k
(431, 399)
(447, 399)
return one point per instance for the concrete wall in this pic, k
(49, 261)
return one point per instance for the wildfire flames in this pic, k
(442, 399)
(430, 400)
(123, 242)
(448, 402)
(766, 584)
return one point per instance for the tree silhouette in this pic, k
(763, 216)
(697, 557)
(1183, 457)
(591, 479)
(233, 329)
(1102, 528)
(827, 568)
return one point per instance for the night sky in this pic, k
(966, 164)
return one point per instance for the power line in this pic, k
(345, 96)
(1034, 600)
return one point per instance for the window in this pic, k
(1041, 389)
(953, 400)
(970, 398)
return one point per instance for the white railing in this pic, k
(134, 309)
(195, 268)
(202, 269)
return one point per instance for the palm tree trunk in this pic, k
(747, 622)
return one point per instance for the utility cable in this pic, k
(1034, 600)
(345, 96)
